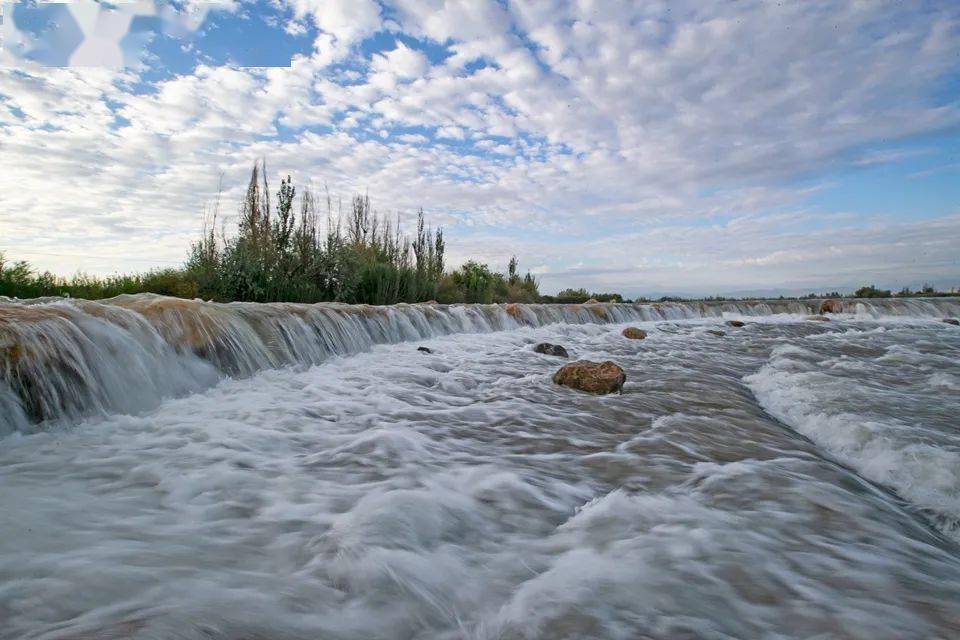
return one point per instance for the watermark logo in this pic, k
(88, 33)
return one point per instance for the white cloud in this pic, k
(461, 20)
(620, 130)
(402, 62)
(343, 23)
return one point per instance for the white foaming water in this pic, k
(460, 494)
(65, 359)
(882, 401)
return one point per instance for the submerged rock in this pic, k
(548, 349)
(735, 323)
(818, 318)
(716, 332)
(599, 311)
(952, 321)
(424, 350)
(633, 333)
(668, 328)
(831, 306)
(513, 310)
(592, 377)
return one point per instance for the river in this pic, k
(186, 470)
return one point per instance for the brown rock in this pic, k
(818, 318)
(430, 302)
(716, 332)
(190, 324)
(831, 306)
(734, 323)
(513, 310)
(952, 321)
(548, 349)
(600, 312)
(633, 333)
(592, 301)
(592, 377)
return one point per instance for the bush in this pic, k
(579, 296)
(607, 297)
(282, 256)
(18, 280)
(572, 296)
(871, 292)
(474, 282)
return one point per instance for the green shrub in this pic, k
(572, 296)
(871, 292)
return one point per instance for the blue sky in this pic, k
(646, 147)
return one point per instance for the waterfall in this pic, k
(66, 358)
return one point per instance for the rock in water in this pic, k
(548, 349)
(592, 301)
(735, 323)
(592, 377)
(634, 334)
(831, 306)
(424, 350)
(952, 321)
(818, 318)
(716, 332)
(513, 310)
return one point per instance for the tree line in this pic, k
(284, 248)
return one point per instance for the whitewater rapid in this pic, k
(790, 479)
(882, 400)
(63, 359)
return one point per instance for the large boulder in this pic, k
(831, 306)
(818, 318)
(592, 377)
(513, 310)
(633, 333)
(548, 349)
(592, 301)
(735, 323)
(952, 321)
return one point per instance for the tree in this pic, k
(283, 225)
(512, 276)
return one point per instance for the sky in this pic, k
(646, 147)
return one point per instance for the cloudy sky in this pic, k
(644, 147)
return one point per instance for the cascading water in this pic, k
(183, 469)
(62, 358)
